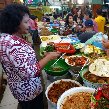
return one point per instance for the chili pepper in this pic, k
(98, 95)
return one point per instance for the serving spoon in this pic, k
(59, 58)
(86, 63)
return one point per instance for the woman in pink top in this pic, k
(33, 22)
(34, 29)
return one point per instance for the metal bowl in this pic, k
(88, 83)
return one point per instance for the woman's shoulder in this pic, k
(11, 39)
(5, 37)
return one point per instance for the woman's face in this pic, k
(70, 19)
(24, 26)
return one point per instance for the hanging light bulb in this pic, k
(80, 1)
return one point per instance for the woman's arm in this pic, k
(47, 58)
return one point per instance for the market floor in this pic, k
(8, 101)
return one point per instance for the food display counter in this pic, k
(78, 57)
(48, 80)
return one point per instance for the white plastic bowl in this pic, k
(56, 82)
(70, 92)
(66, 60)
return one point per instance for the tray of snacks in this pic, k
(65, 48)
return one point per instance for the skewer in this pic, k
(82, 68)
(59, 58)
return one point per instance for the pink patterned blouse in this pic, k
(21, 66)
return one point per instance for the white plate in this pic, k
(56, 82)
(66, 59)
(71, 92)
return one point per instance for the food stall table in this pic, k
(48, 82)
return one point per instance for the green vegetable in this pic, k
(49, 48)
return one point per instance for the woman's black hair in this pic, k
(67, 18)
(11, 17)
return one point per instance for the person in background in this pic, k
(34, 29)
(79, 18)
(100, 21)
(64, 14)
(106, 46)
(88, 32)
(47, 18)
(79, 21)
(55, 20)
(69, 24)
(88, 16)
(69, 21)
(75, 14)
(33, 22)
(55, 16)
(18, 57)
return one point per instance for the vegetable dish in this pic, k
(56, 68)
